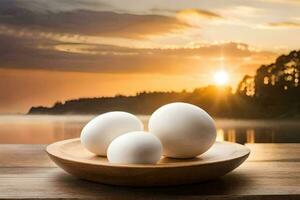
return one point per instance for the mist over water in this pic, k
(43, 129)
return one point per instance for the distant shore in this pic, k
(218, 102)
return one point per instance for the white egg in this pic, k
(137, 147)
(100, 131)
(184, 130)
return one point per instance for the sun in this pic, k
(221, 78)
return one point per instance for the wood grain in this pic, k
(20, 155)
(274, 152)
(275, 177)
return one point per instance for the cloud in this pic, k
(88, 22)
(52, 40)
(61, 5)
(92, 18)
(285, 24)
(196, 17)
(200, 13)
(293, 2)
(45, 54)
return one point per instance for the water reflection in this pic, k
(259, 135)
(47, 129)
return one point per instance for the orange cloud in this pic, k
(283, 1)
(285, 24)
(200, 13)
(196, 16)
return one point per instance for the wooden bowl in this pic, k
(220, 159)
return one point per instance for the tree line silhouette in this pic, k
(274, 89)
(273, 92)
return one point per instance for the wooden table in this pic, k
(271, 172)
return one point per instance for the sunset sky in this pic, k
(54, 50)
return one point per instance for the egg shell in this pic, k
(184, 130)
(137, 147)
(100, 131)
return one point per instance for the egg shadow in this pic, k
(164, 160)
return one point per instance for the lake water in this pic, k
(47, 129)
